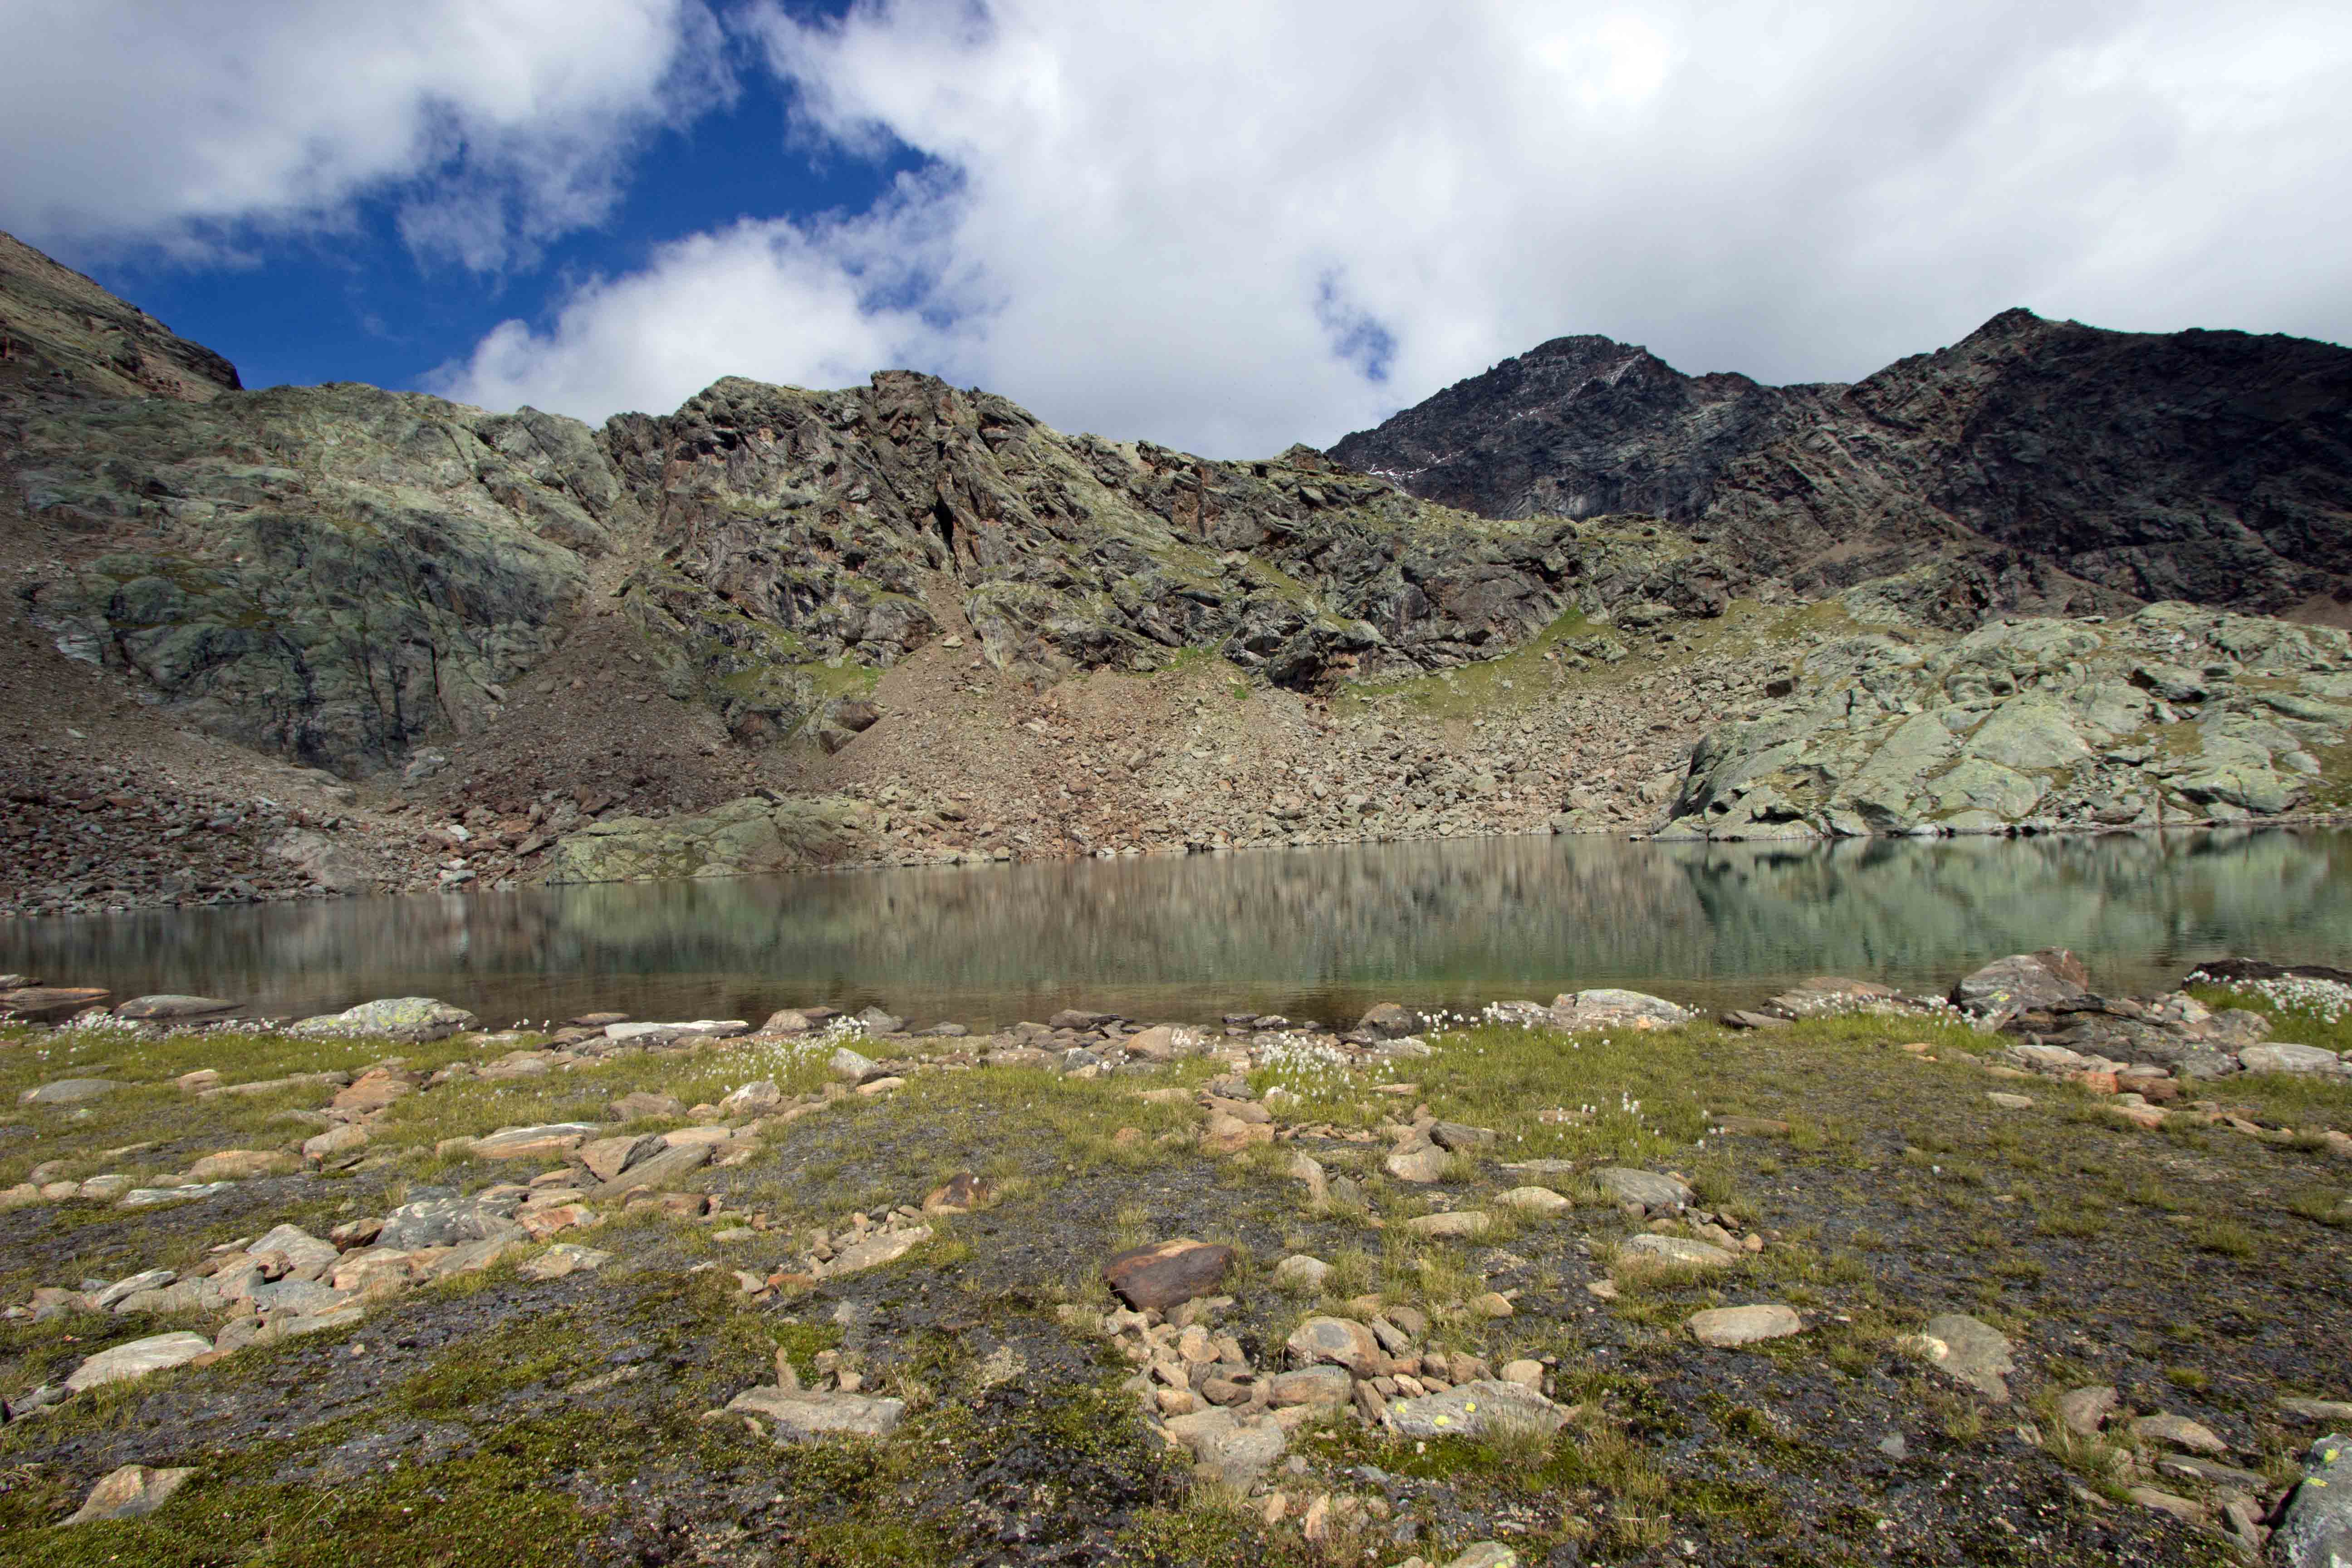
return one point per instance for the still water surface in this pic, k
(1319, 933)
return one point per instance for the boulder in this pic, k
(171, 1009)
(1389, 1021)
(2180, 1431)
(1302, 1274)
(551, 1141)
(2024, 980)
(410, 1019)
(799, 1414)
(1164, 1043)
(48, 1003)
(880, 1247)
(1651, 1250)
(1535, 1201)
(1728, 1328)
(1476, 1409)
(1451, 1224)
(68, 1091)
(1656, 1194)
(2316, 1530)
(853, 1066)
(1160, 1276)
(122, 1362)
(132, 1491)
(1323, 1384)
(1418, 1163)
(675, 1163)
(1970, 1351)
(2281, 1056)
(1614, 1009)
(1341, 1341)
(1233, 1449)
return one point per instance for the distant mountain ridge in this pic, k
(2034, 465)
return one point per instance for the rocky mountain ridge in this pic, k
(2042, 466)
(902, 623)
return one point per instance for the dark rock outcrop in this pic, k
(2044, 466)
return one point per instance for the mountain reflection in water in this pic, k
(1316, 934)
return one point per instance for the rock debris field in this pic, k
(2021, 1273)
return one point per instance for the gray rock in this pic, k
(1970, 1351)
(1301, 1273)
(2317, 1530)
(151, 1279)
(447, 1222)
(2024, 979)
(122, 1362)
(852, 1067)
(1420, 1163)
(1615, 1009)
(411, 1020)
(172, 1009)
(657, 1171)
(131, 1492)
(150, 1197)
(1728, 1328)
(1456, 1135)
(2281, 1056)
(1390, 1021)
(1675, 1249)
(1474, 1410)
(1656, 1194)
(1342, 1342)
(1236, 1450)
(801, 1415)
(68, 1091)
(1311, 1385)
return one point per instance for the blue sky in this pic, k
(1227, 226)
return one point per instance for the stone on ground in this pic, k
(2180, 1431)
(410, 1019)
(1421, 1165)
(130, 1493)
(1535, 1200)
(2085, 1410)
(168, 1008)
(1728, 1328)
(1301, 1273)
(801, 1414)
(1390, 1021)
(1614, 1009)
(1466, 1222)
(1654, 1193)
(1474, 1410)
(1652, 1250)
(1235, 1450)
(122, 1362)
(1970, 1351)
(2317, 1530)
(68, 1091)
(1160, 1276)
(853, 1066)
(2281, 1056)
(1342, 1342)
(2022, 981)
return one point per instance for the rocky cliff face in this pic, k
(2044, 466)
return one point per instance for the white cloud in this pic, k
(1212, 224)
(804, 306)
(494, 123)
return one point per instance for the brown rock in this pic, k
(1160, 1276)
(961, 1194)
(608, 1157)
(48, 1003)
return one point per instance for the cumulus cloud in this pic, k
(808, 305)
(1229, 226)
(492, 124)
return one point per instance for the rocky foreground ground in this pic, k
(2023, 1274)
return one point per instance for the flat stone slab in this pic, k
(2180, 1431)
(1647, 1248)
(1467, 1222)
(411, 1019)
(148, 1198)
(885, 1246)
(800, 1414)
(1535, 1201)
(1615, 1009)
(543, 1142)
(2281, 1056)
(1654, 1192)
(130, 1493)
(1728, 1328)
(68, 1091)
(2317, 1530)
(1236, 1450)
(1970, 1351)
(169, 1009)
(49, 1004)
(1474, 1410)
(1158, 1277)
(1342, 1342)
(122, 1362)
